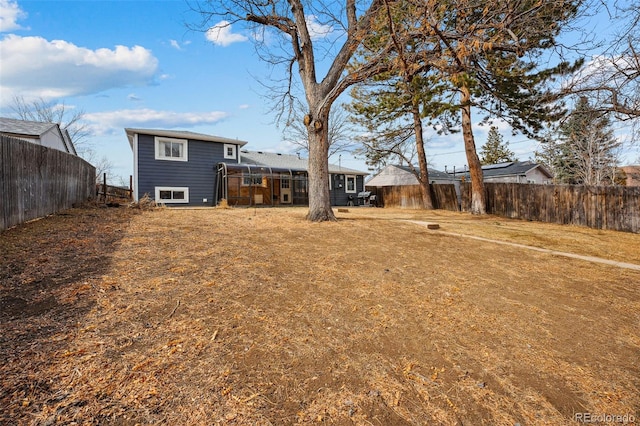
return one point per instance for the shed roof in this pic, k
(66, 138)
(181, 134)
(395, 175)
(30, 130)
(24, 128)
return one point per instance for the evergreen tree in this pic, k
(496, 150)
(585, 151)
(482, 56)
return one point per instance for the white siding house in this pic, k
(45, 134)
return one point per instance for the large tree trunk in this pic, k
(319, 199)
(423, 179)
(478, 198)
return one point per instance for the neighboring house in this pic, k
(632, 174)
(45, 134)
(513, 172)
(187, 168)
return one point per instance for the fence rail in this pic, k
(108, 193)
(601, 207)
(36, 181)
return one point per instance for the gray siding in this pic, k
(198, 173)
(339, 196)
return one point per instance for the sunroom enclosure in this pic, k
(250, 185)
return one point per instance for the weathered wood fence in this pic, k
(409, 196)
(602, 207)
(36, 181)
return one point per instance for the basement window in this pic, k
(165, 194)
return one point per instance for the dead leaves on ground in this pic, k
(259, 317)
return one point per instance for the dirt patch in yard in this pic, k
(255, 316)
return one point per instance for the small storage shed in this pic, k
(397, 186)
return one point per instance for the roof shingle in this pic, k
(24, 128)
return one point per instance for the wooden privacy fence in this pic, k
(601, 207)
(409, 197)
(36, 181)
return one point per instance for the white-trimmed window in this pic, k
(351, 184)
(230, 151)
(171, 149)
(172, 194)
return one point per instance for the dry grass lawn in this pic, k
(255, 316)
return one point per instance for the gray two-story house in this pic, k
(193, 169)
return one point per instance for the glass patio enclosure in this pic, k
(254, 185)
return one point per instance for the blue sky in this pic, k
(136, 64)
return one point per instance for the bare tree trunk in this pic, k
(478, 198)
(290, 20)
(319, 198)
(425, 190)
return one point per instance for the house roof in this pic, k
(287, 162)
(513, 168)
(15, 127)
(394, 175)
(180, 134)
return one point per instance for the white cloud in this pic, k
(443, 142)
(244, 106)
(264, 34)
(10, 12)
(316, 29)
(63, 69)
(176, 44)
(133, 97)
(109, 122)
(268, 35)
(221, 34)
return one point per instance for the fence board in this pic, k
(443, 196)
(36, 181)
(601, 207)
